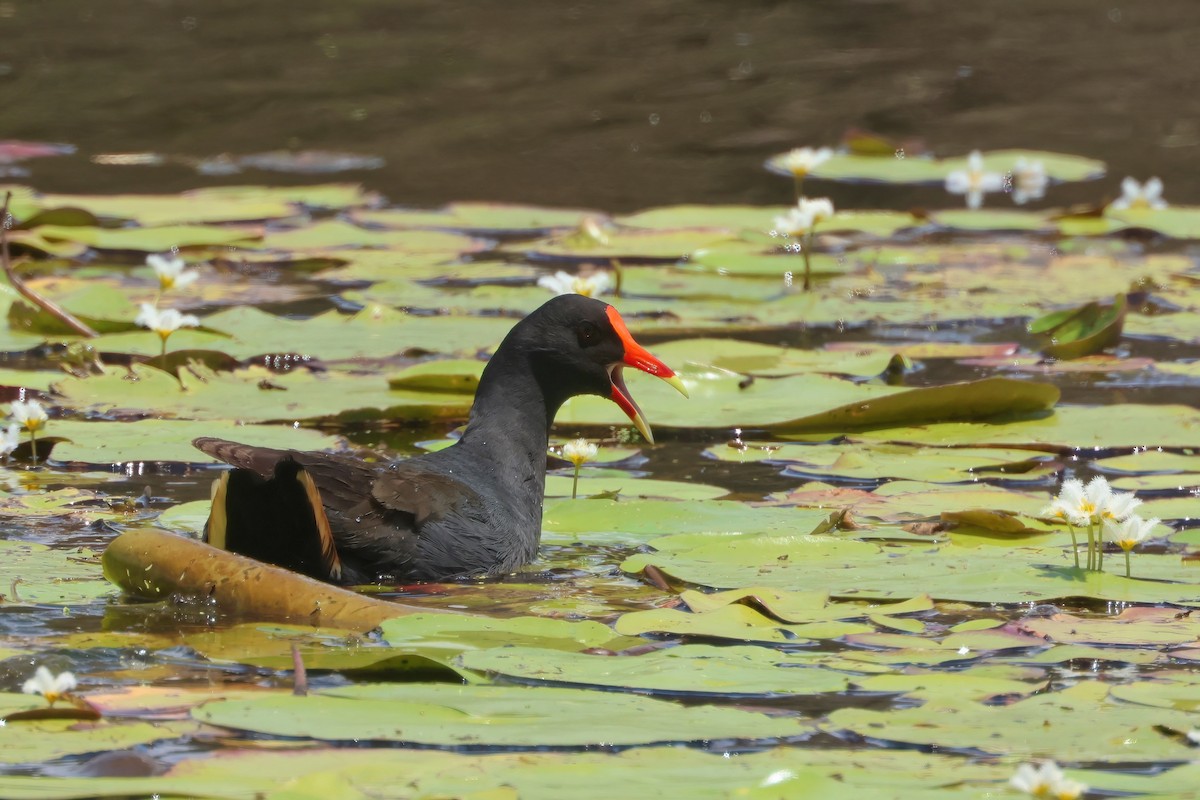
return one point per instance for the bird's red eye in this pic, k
(589, 334)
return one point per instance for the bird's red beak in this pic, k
(638, 357)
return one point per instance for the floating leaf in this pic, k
(452, 716)
(685, 670)
(1082, 331)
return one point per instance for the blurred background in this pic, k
(616, 105)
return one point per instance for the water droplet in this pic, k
(655, 119)
(900, 153)
(705, 116)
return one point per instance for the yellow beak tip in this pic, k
(677, 382)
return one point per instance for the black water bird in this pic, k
(472, 509)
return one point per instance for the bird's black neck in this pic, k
(510, 423)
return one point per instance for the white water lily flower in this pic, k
(804, 160)
(973, 181)
(804, 216)
(1119, 506)
(48, 685)
(29, 414)
(1194, 737)
(580, 451)
(794, 223)
(165, 322)
(170, 271)
(1130, 532)
(565, 283)
(1137, 195)
(1037, 781)
(1029, 181)
(819, 208)
(1066, 506)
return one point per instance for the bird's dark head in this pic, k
(578, 345)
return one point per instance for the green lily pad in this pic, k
(162, 440)
(1178, 222)
(851, 569)
(46, 740)
(454, 716)
(736, 623)
(150, 240)
(50, 576)
(892, 169)
(1079, 720)
(254, 395)
(480, 217)
(878, 461)
(791, 772)
(685, 670)
(624, 245)
(337, 234)
(989, 219)
(1082, 331)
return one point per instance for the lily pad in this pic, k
(452, 716)
(687, 670)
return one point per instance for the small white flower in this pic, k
(819, 208)
(962, 651)
(170, 271)
(10, 439)
(1037, 781)
(804, 216)
(794, 223)
(1067, 504)
(1130, 532)
(50, 686)
(580, 451)
(1137, 195)
(804, 160)
(1029, 181)
(565, 283)
(973, 181)
(165, 322)
(1119, 506)
(29, 414)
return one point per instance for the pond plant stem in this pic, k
(575, 482)
(805, 247)
(51, 308)
(1074, 545)
(1127, 575)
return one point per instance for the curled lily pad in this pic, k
(1079, 332)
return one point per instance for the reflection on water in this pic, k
(618, 105)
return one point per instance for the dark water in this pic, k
(618, 105)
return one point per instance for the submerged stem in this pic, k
(1127, 575)
(1074, 544)
(805, 247)
(33, 444)
(575, 483)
